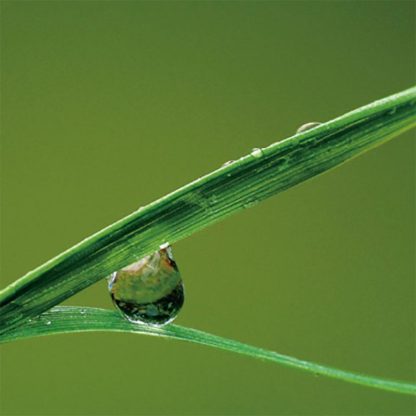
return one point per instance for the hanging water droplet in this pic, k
(257, 153)
(308, 126)
(150, 290)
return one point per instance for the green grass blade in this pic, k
(205, 201)
(61, 320)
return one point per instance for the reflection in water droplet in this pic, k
(150, 290)
(308, 126)
(257, 152)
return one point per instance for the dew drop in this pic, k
(150, 290)
(257, 153)
(308, 126)
(230, 162)
(48, 322)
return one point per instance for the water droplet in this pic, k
(82, 311)
(150, 290)
(48, 322)
(257, 153)
(308, 126)
(230, 162)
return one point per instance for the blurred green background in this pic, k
(108, 105)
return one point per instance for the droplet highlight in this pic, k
(229, 162)
(308, 126)
(150, 290)
(257, 153)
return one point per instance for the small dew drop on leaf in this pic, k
(257, 153)
(230, 162)
(308, 126)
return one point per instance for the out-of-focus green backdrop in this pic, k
(107, 105)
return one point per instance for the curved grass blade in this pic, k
(68, 319)
(205, 201)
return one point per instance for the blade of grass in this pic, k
(60, 320)
(205, 201)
